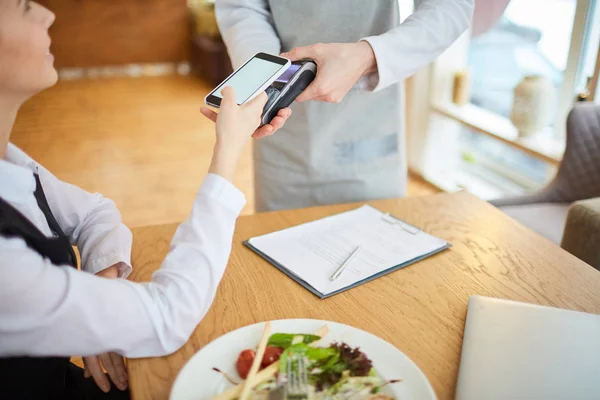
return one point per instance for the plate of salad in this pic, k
(300, 359)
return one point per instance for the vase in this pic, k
(461, 92)
(533, 105)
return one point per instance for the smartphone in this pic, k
(250, 79)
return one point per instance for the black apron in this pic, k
(27, 377)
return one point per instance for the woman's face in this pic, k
(26, 64)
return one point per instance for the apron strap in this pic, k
(42, 202)
(13, 223)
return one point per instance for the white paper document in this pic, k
(315, 250)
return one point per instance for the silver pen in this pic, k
(342, 267)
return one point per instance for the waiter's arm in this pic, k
(380, 61)
(423, 36)
(247, 28)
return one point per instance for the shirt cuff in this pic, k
(377, 80)
(220, 189)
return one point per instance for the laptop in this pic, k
(518, 351)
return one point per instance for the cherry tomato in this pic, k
(244, 363)
(272, 354)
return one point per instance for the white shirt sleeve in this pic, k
(91, 221)
(247, 28)
(50, 310)
(423, 36)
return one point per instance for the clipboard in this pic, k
(322, 296)
(302, 253)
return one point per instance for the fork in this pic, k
(297, 386)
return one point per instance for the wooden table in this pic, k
(420, 309)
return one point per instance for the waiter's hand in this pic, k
(114, 365)
(340, 66)
(266, 130)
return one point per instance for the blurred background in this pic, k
(497, 102)
(487, 116)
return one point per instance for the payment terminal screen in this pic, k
(249, 78)
(287, 75)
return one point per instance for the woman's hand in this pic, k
(266, 130)
(111, 272)
(340, 66)
(112, 362)
(235, 125)
(114, 365)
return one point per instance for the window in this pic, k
(475, 145)
(524, 42)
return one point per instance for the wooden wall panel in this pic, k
(114, 32)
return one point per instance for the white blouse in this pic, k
(57, 310)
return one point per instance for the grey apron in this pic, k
(333, 153)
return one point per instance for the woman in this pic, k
(50, 310)
(349, 144)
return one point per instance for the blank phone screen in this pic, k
(249, 78)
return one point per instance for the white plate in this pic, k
(198, 381)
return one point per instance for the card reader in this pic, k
(287, 87)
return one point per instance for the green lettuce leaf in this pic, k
(285, 340)
(316, 355)
(330, 368)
